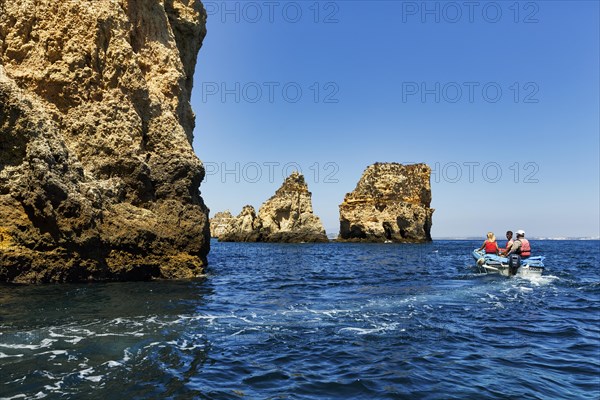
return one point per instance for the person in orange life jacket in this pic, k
(509, 243)
(521, 246)
(490, 245)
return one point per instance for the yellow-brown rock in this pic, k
(287, 217)
(391, 202)
(243, 228)
(219, 223)
(98, 178)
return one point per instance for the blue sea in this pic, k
(315, 321)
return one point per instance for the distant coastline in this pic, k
(332, 236)
(532, 238)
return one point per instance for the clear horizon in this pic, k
(500, 99)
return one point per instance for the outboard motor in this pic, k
(514, 262)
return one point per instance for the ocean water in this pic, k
(315, 321)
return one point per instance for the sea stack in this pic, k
(243, 228)
(287, 217)
(98, 178)
(391, 202)
(219, 223)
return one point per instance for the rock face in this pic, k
(286, 217)
(219, 222)
(98, 178)
(391, 202)
(246, 227)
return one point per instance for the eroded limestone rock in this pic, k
(243, 228)
(286, 217)
(391, 202)
(219, 222)
(98, 178)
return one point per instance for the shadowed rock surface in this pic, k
(98, 178)
(286, 217)
(391, 202)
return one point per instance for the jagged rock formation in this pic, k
(245, 227)
(286, 217)
(391, 202)
(98, 178)
(219, 222)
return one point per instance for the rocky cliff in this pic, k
(98, 178)
(243, 228)
(286, 217)
(391, 202)
(219, 223)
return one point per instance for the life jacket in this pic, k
(525, 249)
(509, 244)
(490, 247)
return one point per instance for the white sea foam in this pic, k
(81, 331)
(112, 364)
(118, 321)
(183, 344)
(152, 345)
(3, 355)
(126, 355)
(86, 374)
(18, 396)
(125, 334)
(54, 388)
(54, 353)
(542, 280)
(361, 331)
(367, 331)
(72, 335)
(38, 395)
(67, 338)
(244, 319)
(43, 344)
(191, 318)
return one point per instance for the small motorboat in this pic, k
(491, 263)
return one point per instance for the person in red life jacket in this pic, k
(521, 246)
(509, 243)
(490, 245)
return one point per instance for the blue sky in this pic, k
(501, 99)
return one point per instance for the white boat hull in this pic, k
(524, 270)
(492, 264)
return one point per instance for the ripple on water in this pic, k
(316, 321)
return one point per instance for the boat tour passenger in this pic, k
(490, 245)
(509, 243)
(520, 246)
